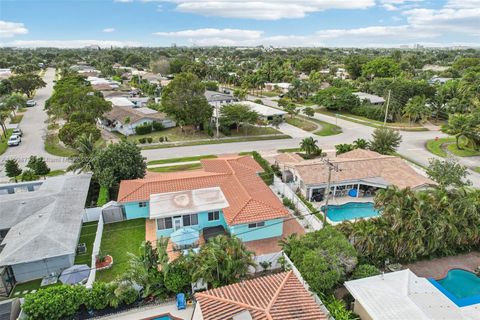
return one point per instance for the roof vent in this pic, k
(244, 315)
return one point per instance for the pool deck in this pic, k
(342, 200)
(438, 268)
(152, 311)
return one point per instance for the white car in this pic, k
(14, 140)
(31, 103)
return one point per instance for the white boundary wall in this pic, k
(95, 252)
(92, 214)
(313, 222)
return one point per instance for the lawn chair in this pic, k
(181, 302)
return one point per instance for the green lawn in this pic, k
(29, 286)
(172, 134)
(180, 167)
(54, 173)
(3, 141)
(87, 236)
(476, 169)
(435, 147)
(301, 123)
(289, 150)
(16, 119)
(118, 239)
(245, 131)
(184, 159)
(53, 146)
(328, 129)
(215, 141)
(270, 94)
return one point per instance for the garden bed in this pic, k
(106, 263)
(303, 124)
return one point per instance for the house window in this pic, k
(164, 223)
(214, 215)
(190, 220)
(256, 225)
(142, 204)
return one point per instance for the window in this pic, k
(142, 204)
(164, 223)
(190, 220)
(214, 215)
(256, 225)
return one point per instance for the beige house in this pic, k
(363, 170)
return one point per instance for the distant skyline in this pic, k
(279, 23)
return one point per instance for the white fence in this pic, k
(95, 252)
(307, 287)
(312, 221)
(92, 214)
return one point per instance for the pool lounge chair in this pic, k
(181, 303)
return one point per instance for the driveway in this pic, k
(34, 129)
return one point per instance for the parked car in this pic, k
(18, 132)
(31, 103)
(14, 140)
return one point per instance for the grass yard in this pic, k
(118, 239)
(184, 159)
(172, 134)
(215, 141)
(301, 123)
(3, 141)
(246, 131)
(179, 167)
(53, 146)
(29, 286)
(464, 152)
(328, 129)
(435, 147)
(270, 94)
(54, 173)
(16, 119)
(289, 150)
(87, 236)
(476, 169)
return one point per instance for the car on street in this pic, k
(31, 103)
(14, 140)
(18, 132)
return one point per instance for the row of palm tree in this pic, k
(416, 225)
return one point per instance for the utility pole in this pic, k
(326, 194)
(386, 110)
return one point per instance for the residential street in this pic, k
(34, 130)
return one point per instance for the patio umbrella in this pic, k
(185, 236)
(75, 274)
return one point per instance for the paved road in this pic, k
(34, 131)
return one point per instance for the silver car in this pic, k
(14, 140)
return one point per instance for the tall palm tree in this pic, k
(82, 161)
(360, 144)
(309, 145)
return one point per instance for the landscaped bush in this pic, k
(98, 297)
(369, 111)
(145, 128)
(365, 271)
(157, 126)
(142, 140)
(288, 203)
(28, 175)
(149, 139)
(103, 196)
(309, 205)
(338, 308)
(267, 175)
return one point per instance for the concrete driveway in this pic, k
(34, 129)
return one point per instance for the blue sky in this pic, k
(345, 23)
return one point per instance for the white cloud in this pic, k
(10, 29)
(458, 4)
(213, 33)
(70, 43)
(108, 30)
(123, 1)
(446, 20)
(266, 9)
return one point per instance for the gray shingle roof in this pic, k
(43, 223)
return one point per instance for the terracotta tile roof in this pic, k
(279, 296)
(250, 200)
(359, 165)
(119, 113)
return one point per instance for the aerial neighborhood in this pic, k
(239, 174)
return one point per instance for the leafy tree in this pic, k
(38, 165)
(184, 100)
(5, 87)
(385, 140)
(340, 99)
(82, 161)
(26, 83)
(161, 65)
(464, 125)
(28, 175)
(343, 148)
(240, 94)
(211, 85)
(381, 67)
(308, 111)
(311, 63)
(338, 309)
(237, 114)
(309, 145)
(276, 121)
(291, 109)
(221, 261)
(118, 161)
(448, 173)
(354, 64)
(12, 170)
(14, 102)
(365, 271)
(70, 132)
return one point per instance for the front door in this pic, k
(177, 223)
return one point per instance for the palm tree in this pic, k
(309, 145)
(82, 161)
(343, 148)
(360, 144)
(416, 109)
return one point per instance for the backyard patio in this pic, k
(438, 268)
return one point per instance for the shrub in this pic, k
(149, 139)
(365, 271)
(157, 126)
(142, 140)
(177, 278)
(160, 139)
(145, 128)
(28, 175)
(267, 175)
(259, 101)
(103, 196)
(97, 298)
(369, 111)
(288, 203)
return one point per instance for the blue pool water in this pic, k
(351, 211)
(162, 318)
(460, 286)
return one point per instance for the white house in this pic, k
(371, 98)
(283, 86)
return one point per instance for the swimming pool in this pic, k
(460, 286)
(351, 211)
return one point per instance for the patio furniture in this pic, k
(181, 303)
(212, 232)
(352, 193)
(75, 274)
(184, 237)
(50, 279)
